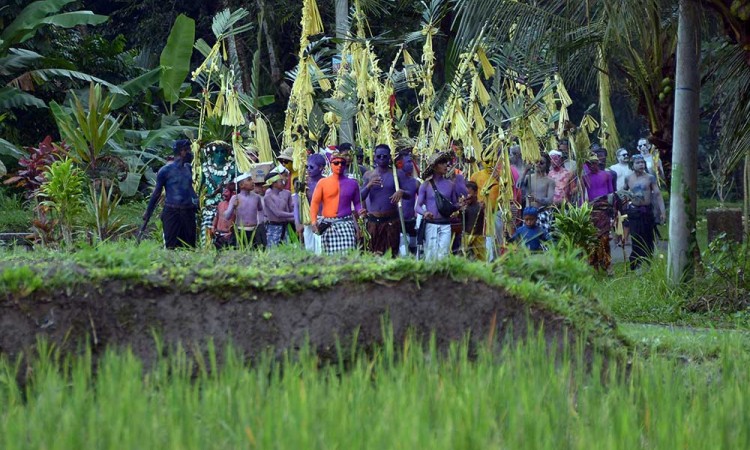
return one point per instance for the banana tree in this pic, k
(22, 69)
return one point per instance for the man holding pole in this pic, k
(381, 192)
(181, 204)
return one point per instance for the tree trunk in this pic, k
(746, 196)
(342, 29)
(682, 204)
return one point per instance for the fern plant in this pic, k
(574, 229)
(63, 194)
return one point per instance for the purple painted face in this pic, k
(313, 168)
(408, 165)
(382, 157)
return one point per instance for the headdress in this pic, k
(530, 211)
(243, 176)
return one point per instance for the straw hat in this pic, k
(287, 154)
(437, 157)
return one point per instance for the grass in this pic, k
(14, 218)
(401, 396)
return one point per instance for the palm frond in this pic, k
(224, 22)
(46, 74)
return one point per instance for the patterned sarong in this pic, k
(340, 237)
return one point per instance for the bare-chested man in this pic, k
(644, 197)
(562, 177)
(382, 197)
(540, 191)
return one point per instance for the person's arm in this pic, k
(161, 178)
(403, 181)
(421, 198)
(368, 181)
(613, 178)
(317, 197)
(656, 196)
(357, 199)
(234, 201)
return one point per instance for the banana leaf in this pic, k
(175, 58)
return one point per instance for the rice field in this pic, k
(401, 395)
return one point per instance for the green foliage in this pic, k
(175, 58)
(14, 217)
(63, 191)
(20, 281)
(399, 395)
(40, 13)
(88, 132)
(725, 284)
(103, 208)
(574, 230)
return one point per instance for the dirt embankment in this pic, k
(116, 314)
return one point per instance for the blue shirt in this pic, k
(532, 237)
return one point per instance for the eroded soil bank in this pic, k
(120, 315)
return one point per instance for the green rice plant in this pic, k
(63, 191)
(402, 395)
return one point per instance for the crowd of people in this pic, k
(338, 204)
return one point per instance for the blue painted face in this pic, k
(314, 167)
(382, 157)
(408, 165)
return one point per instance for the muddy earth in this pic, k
(122, 315)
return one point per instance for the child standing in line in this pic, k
(473, 237)
(260, 230)
(246, 204)
(531, 234)
(223, 228)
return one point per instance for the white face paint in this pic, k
(622, 157)
(643, 146)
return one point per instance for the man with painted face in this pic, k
(315, 165)
(337, 197)
(622, 169)
(381, 197)
(645, 198)
(651, 157)
(437, 239)
(601, 156)
(179, 213)
(410, 185)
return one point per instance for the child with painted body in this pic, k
(246, 205)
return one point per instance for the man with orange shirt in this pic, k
(339, 196)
